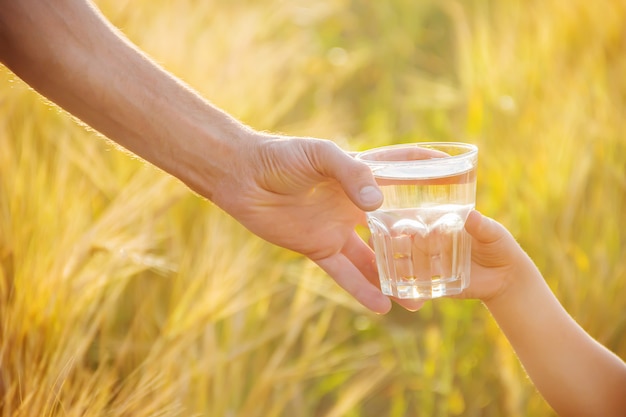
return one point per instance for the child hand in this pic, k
(497, 258)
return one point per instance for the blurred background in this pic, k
(124, 294)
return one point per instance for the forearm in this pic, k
(574, 373)
(67, 52)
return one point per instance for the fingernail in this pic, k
(370, 195)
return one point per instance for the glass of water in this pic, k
(422, 248)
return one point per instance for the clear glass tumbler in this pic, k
(422, 248)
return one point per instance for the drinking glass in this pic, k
(422, 248)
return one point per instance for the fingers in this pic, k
(355, 177)
(354, 269)
(347, 275)
(362, 256)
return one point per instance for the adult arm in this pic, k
(300, 193)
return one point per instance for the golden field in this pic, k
(124, 294)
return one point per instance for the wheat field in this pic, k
(124, 294)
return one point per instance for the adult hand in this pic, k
(303, 194)
(308, 195)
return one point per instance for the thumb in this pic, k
(356, 179)
(484, 229)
